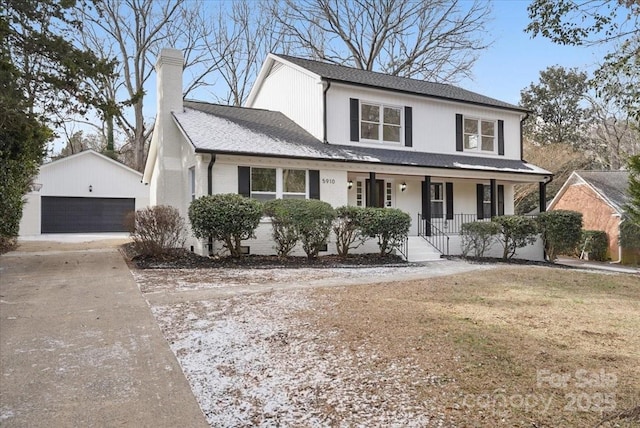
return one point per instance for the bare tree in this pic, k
(437, 40)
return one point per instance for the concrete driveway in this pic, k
(79, 346)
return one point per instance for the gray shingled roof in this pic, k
(247, 131)
(612, 185)
(413, 86)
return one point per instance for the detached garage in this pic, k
(83, 193)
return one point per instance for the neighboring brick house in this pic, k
(600, 196)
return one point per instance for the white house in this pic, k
(83, 193)
(309, 129)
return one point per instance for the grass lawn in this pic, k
(518, 346)
(510, 346)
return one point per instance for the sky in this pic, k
(515, 60)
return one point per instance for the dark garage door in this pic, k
(84, 215)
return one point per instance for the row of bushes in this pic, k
(231, 218)
(561, 233)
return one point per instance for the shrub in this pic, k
(561, 231)
(478, 236)
(516, 231)
(348, 229)
(313, 220)
(156, 230)
(228, 218)
(596, 243)
(285, 232)
(389, 225)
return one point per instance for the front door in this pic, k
(379, 192)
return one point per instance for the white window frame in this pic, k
(388, 194)
(486, 200)
(359, 194)
(279, 191)
(479, 135)
(440, 201)
(381, 123)
(192, 182)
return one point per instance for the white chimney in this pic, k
(169, 81)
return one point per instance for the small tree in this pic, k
(389, 225)
(285, 231)
(157, 230)
(596, 243)
(313, 220)
(348, 229)
(561, 231)
(516, 231)
(229, 218)
(478, 236)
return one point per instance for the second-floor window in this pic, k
(379, 122)
(479, 135)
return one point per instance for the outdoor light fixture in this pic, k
(349, 184)
(90, 188)
(403, 187)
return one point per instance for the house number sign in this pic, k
(328, 181)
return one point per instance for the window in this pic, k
(272, 183)
(294, 183)
(263, 183)
(359, 199)
(388, 194)
(479, 135)
(192, 182)
(486, 201)
(380, 122)
(437, 200)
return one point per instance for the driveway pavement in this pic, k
(79, 346)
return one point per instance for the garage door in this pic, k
(85, 215)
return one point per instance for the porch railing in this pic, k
(437, 238)
(453, 225)
(403, 248)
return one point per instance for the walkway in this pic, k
(79, 346)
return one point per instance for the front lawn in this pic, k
(511, 346)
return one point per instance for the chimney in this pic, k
(169, 82)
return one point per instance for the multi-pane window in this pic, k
(479, 135)
(359, 197)
(437, 200)
(272, 183)
(380, 122)
(388, 194)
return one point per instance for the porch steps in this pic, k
(421, 251)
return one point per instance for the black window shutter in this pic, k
(480, 200)
(314, 184)
(449, 196)
(408, 127)
(500, 199)
(354, 107)
(244, 181)
(501, 137)
(459, 133)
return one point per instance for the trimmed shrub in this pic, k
(516, 231)
(313, 220)
(156, 230)
(285, 231)
(561, 231)
(479, 237)
(348, 229)
(596, 243)
(389, 225)
(228, 218)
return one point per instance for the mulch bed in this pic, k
(183, 259)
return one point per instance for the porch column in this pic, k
(372, 199)
(493, 193)
(426, 202)
(543, 196)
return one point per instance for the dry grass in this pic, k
(526, 347)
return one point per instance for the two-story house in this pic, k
(309, 129)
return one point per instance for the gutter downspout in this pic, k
(544, 185)
(210, 192)
(619, 246)
(526, 115)
(324, 111)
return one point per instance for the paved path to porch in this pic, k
(80, 348)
